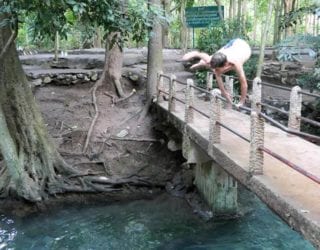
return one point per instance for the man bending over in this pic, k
(230, 57)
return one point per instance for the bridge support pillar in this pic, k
(217, 187)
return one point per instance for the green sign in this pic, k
(202, 16)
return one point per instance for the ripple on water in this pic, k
(163, 223)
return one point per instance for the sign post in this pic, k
(202, 16)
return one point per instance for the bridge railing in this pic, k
(257, 118)
(295, 110)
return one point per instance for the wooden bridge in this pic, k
(237, 145)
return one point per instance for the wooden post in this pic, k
(172, 94)
(215, 116)
(295, 109)
(159, 86)
(256, 95)
(189, 98)
(257, 141)
(209, 80)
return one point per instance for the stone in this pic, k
(94, 77)
(133, 77)
(36, 82)
(174, 146)
(80, 76)
(61, 77)
(47, 79)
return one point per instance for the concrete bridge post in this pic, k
(229, 85)
(216, 186)
(215, 116)
(189, 99)
(256, 143)
(295, 109)
(209, 81)
(256, 95)
(159, 85)
(172, 94)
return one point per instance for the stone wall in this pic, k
(283, 73)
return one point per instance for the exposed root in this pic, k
(135, 139)
(94, 100)
(114, 100)
(111, 96)
(145, 111)
(125, 98)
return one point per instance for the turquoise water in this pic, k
(163, 223)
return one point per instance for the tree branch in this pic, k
(9, 42)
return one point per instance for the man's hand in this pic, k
(238, 105)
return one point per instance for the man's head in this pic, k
(218, 60)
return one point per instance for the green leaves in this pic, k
(131, 18)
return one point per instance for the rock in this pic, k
(174, 146)
(133, 77)
(36, 82)
(47, 79)
(122, 133)
(61, 77)
(86, 79)
(80, 76)
(94, 77)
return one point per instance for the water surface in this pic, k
(163, 223)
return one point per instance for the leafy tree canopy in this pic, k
(132, 18)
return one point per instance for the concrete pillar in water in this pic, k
(217, 187)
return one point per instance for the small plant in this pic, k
(311, 81)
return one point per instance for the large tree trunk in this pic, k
(97, 41)
(218, 3)
(239, 17)
(263, 39)
(113, 63)
(184, 28)
(288, 6)
(255, 17)
(165, 26)
(32, 167)
(114, 59)
(154, 55)
(230, 9)
(56, 47)
(276, 31)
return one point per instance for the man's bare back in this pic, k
(232, 56)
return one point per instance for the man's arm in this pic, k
(243, 83)
(204, 58)
(221, 87)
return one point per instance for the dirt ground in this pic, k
(121, 146)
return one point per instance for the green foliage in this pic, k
(201, 76)
(311, 81)
(217, 35)
(250, 67)
(294, 17)
(132, 20)
(292, 45)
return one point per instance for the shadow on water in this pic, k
(162, 223)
